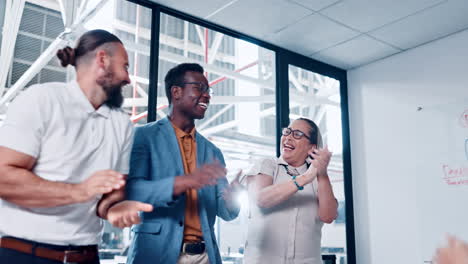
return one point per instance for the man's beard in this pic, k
(113, 91)
(114, 96)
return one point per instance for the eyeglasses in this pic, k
(297, 134)
(201, 87)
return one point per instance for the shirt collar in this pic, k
(281, 161)
(180, 133)
(80, 98)
(104, 110)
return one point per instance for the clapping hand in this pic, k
(233, 188)
(207, 174)
(321, 159)
(455, 253)
(125, 213)
(100, 182)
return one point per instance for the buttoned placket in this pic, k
(97, 135)
(94, 117)
(186, 141)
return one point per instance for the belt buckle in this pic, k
(185, 245)
(65, 257)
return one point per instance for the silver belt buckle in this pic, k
(65, 258)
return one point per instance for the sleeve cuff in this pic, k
(19, 140)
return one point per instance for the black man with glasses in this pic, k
(182, 175)
(291, 197)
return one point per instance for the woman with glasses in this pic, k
(290, 199)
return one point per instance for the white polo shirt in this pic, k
(56, 124)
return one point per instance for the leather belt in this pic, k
(193, 248)
(82, 254)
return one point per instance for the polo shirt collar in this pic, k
(80, 98)
(180, 133)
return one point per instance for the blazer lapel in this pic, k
(200, 161)
(200, 149)
(173, 148)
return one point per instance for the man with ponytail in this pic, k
(64, 154)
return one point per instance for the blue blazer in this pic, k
(154, 164)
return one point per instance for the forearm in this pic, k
(24, 188)
(158, 193)
(328, 205)
(108, 201)
(181, 185)
(278, 193)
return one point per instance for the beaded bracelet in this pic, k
(297, 184)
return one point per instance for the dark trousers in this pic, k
(9, 256)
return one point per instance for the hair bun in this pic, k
(66, 56)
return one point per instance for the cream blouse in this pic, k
(290, 232)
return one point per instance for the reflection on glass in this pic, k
(317, 97)
(241, 117)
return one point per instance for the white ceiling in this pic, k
(343, 33)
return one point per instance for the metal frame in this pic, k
(63, 39)
(154, 63)
(290, 58)
(13, 14)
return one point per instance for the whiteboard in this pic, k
(442, 189)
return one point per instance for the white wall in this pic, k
(383, 97)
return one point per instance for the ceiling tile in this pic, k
(356, 52)
(194, 8)
(329, 35)
(366, 15)
(426, 26)
(260, 17)
(312, 34)
(337, 62)
(316, 5)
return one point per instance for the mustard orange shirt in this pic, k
(188, 151)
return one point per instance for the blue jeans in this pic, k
(10, 256)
